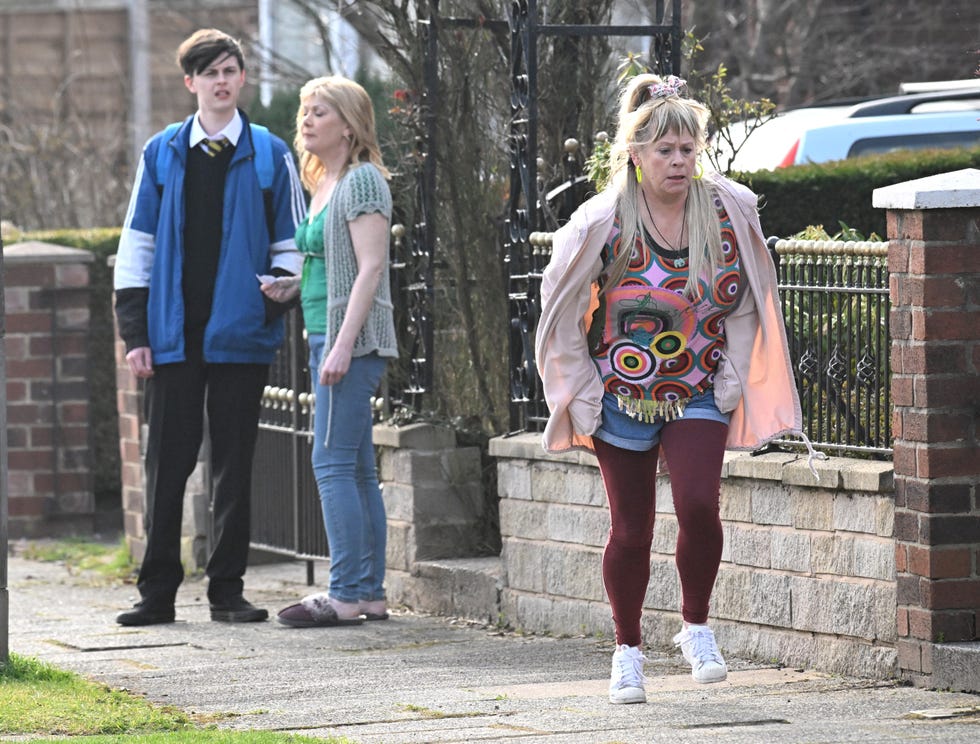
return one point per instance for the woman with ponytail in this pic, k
(345, 294)
(661, 333)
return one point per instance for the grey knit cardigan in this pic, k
(362, 190)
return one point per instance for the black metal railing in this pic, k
(836, 307)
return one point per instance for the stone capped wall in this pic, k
(807, 574)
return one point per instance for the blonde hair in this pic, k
(644, 118)
(354, 106)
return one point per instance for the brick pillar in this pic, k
(934, 265)
(129, 407)
(46, 303)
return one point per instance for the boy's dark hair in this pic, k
(203, 47)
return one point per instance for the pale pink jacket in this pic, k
(755, 377)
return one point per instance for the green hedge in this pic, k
(102, 362)
(829, 193)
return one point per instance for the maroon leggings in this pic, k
(694, 450)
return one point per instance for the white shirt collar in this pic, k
(232, 131)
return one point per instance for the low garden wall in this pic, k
(808, 569)
(807, 575)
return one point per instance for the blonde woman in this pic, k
(347, 310)
(661, 331)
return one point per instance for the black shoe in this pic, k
(237, 610)
(143, 614)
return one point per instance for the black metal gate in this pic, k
(525, 263)
(286, 514)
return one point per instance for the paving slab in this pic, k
(420, 678)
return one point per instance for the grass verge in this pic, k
(199, 736)
(52, 705)
(99, 561)
(36, 698)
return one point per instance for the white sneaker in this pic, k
(626, 683)
(698, 645)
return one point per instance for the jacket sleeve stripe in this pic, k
(134, 260)
(296, 191)
(134, 197)
(285, 256)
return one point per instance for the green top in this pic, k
(313, 287)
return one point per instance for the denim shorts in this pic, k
(620, 430)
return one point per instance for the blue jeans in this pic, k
(347, 477)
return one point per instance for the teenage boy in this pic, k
(202, 224)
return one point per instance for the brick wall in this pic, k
(934, 265)
(46, 301)
(432, 492)
(67, 57)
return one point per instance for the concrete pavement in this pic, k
(417, 678)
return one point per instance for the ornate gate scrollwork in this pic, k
(525, 257)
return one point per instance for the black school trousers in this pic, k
(176, 399)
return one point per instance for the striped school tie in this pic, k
(214, 146)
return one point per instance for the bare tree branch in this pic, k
(368, 18)
(312, 11)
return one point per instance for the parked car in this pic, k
(935, 119)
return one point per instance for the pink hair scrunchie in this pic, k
(669, 86)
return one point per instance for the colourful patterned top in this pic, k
(656, 349)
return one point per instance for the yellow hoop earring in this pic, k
(699, 171)
(639, 174)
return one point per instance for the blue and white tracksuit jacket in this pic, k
(149, 262)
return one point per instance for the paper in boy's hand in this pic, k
(279, 288)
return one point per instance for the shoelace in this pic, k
(705, 649)
(631, 670)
